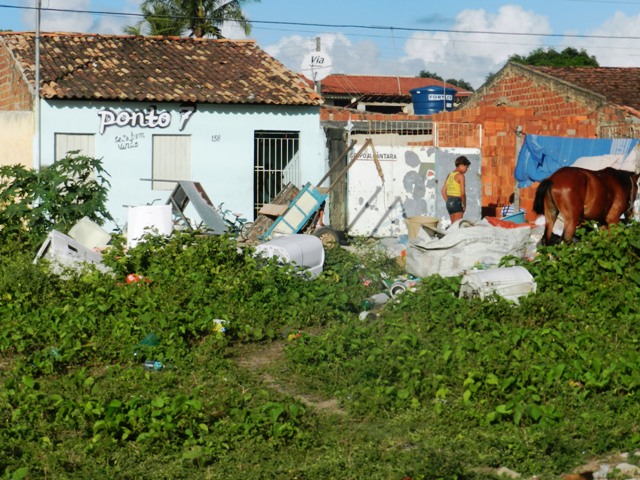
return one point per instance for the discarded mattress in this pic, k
(306, 251)
(508, 282)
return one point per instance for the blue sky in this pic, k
(455, 38)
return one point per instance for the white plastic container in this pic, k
(508, 282)
(89, 234)
(65, 252)
(148, 219)
(303, 250)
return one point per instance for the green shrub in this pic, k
(32, 202)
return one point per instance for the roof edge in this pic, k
(113, 35)
(531, 71)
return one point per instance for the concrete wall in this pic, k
(222, 146)
(16, 138)
(412, 179)
(413, 166)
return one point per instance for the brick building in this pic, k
(583, 102)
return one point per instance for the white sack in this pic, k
(462, 248)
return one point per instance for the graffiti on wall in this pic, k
(128, 140)
(380, 208)
(149, 117)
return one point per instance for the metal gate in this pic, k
(276, 164)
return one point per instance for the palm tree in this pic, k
(158, 20)
(197, 18)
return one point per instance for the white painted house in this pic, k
(156, 110)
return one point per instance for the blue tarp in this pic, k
(540, 156)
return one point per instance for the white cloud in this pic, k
(114, 24)
(612, 52)
(233, 31)
(472, 56)
(363, 57)
(111, 25)
(61, 21)
(467, 56)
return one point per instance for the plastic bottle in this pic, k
(153, 365)
(375, 300)
(366, 315)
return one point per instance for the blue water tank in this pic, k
(432, 99)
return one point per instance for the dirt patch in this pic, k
(252, 358)
(259, 360)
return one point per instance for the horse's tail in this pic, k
(541, 192)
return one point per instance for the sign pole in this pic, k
(38, 159)
(317, 82)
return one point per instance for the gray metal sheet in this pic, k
(187, 191)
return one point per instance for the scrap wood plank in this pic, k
(263, 222)
(272, 209)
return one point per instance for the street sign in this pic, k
(316, 66)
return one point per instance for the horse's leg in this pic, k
(621, 203)
(613, 215)
(571, 214)
(622, 194)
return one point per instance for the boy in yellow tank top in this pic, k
(453, 190)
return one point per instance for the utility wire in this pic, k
(343, 26)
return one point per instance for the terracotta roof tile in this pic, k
(620, 86)
(110, 67)
(371, 85)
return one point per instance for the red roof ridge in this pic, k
(372, 75)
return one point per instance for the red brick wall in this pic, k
(499, 145)
(14, 93)
(540, 106)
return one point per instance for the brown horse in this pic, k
(578, 194)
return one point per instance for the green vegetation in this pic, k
(549, 57)
(435, 387)
(458, 83)
(34, 202)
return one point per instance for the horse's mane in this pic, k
(621, 174)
